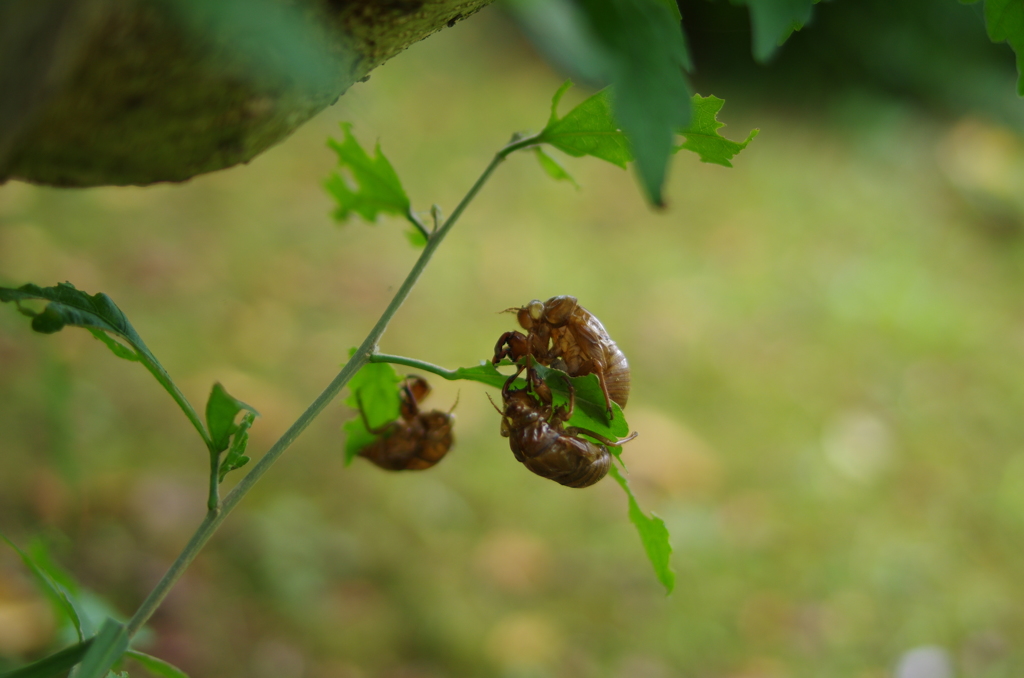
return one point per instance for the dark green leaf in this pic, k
(653, 535)
(155, 665)
(673, 9)
(651, 96)
(374, 389)
(221, 411)
(107, 647)
(702, 135)
(60, 596)
(553, 168)
(69, 306)
(773, 21)
(57, 664)
(377, 187)
(236, 458)
(1004, 20)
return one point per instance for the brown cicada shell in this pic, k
(415, 441)
(540, 440)
(564, 335)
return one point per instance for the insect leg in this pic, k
(574, 430)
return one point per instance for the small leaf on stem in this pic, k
(221, 410)
(653, 535)
(236, 458)
(588, 129)
(377, 187)
(590, 411)
(374, 389)
(552, 167)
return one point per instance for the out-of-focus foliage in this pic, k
(773, 21)
(1005, 22)
(826, 352)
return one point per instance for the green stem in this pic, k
(414, 219)
(161, 375)
(213, 496)
(362, 355)
(450, 375)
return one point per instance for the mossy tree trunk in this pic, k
(115, 92)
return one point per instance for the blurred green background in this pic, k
(826, 345)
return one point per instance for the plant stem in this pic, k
(362, 355)
(450, 375)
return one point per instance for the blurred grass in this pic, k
(826, 345)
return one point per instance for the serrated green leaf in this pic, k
(653, 535)
(552, 167)
(69, 306)
(702, 135)
(377, 189)
(589, 412)
(57, 664)
(155, 665)
(236, 458)
(59, 595)
(588, 129)
(1004, 21)
(375, 388)
(107, 647)
(773, 21)
(221, 410)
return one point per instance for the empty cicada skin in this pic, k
(415, 441)
(564, 335)
(540, 440)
